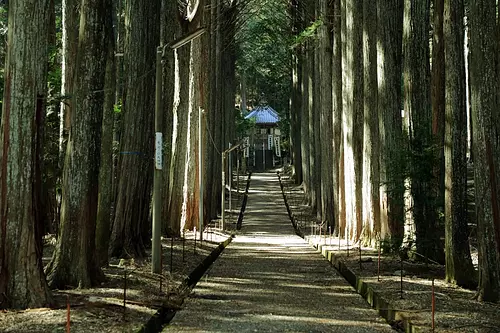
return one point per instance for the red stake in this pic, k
(68, 310)
(433, 305)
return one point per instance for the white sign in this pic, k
(277, 146)
(246, 145)
(269, 141)
(158, 151)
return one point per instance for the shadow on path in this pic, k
(269, 280)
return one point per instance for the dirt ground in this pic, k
(102, 309)
(456, 309)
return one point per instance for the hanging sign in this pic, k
(246, 145)
(270, 142)
(277, 146)
(158, 151)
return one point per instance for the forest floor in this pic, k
(102, 309)
(456, 309)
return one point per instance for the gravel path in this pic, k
(269, 280)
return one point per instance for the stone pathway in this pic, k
(269, 280)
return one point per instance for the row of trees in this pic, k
(373, 171)
(77, 132)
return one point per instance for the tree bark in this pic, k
(438, 97)
(295, 99)
(352, 61)
(74, 260)
(486, 131)
(337, 113)
(390, 32)
(178, 162)
(190, 204)
(371, 151)
(304, 125)
(105, 199)
(313, 131)
(459, 268)
(169, 29)
(326, 107)
(136, 147)
(418, 108)
(22, 281)
(70, 26)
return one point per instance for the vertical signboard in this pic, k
(270, 142)
(277, 146)
(246, 145)
(158, 151)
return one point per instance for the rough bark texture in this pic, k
(179, 149)
(485, 114)
(304, 125)
(317, 110)
(22, 281)
(337, 111)
(390, 32)
(214, 115)
(169, 29)
(229, 73)
(352, 62)
(371, 176)
(105, 199)
(74, 261)
(459, 268)
(295, 99)
(190, 204)
(136, 146)
(438, 97)
(70, 26)
(326, 141)
(418, 108)
(314, 181)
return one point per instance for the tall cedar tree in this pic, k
(438, 98)
(74, 260)
(390, 33)
(169, 29)
(371, 176)
(180, 125)
(486, 131)
(22, 281)
(459, 268)
(105, 199)
(70, 26)
(337, 112)
(353, 108)
(418, 108)
(135, 169)
(326, 119)
(295, 100)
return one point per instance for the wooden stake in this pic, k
(124, 292)
(433, 305)
(68, 315)
(378, 269)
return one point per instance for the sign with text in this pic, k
(270, 142)
(277, 146)
(158, 151)
(246, 145)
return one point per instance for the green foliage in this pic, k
(264, 55)
(117, 108)
(243, 126)
(308, 33)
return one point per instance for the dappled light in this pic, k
(269, 279)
